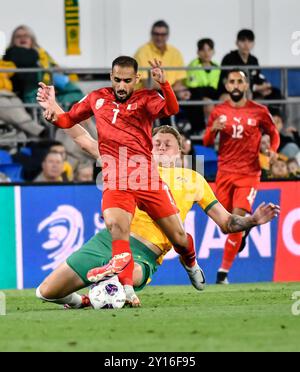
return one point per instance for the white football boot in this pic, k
(196, 275)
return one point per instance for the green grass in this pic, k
(253, 317)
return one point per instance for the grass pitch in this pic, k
(255, 317)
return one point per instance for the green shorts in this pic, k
(98, 252)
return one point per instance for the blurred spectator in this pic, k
(52, 168)
(84, 172)
(186, 152)
(12, 110)
(25, 51)
(264, 158)
(159, 48)
(279, 169)
(204, 83)
(289, 137)
(4, 178)
(260, 87)
(60, 149)
(293, 168)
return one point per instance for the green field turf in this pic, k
(253, 317)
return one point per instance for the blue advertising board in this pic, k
(56, 221)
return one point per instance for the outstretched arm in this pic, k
(230, 223)
(46, 99)
(158, 74)
(84, 140)
(53, 112)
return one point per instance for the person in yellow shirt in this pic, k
(68, 172)
(148, 243)
(170, 56)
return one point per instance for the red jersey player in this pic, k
(124, 123)
(240, 123)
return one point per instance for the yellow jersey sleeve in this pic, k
(205, 197)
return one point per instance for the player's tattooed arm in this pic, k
(232, 223)
(263, 214)
(238, 223)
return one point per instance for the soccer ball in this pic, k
(108, 294)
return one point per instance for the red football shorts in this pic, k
(236, 191)
(157, 204)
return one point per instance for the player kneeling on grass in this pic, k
(149, 244)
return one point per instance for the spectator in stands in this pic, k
(159, 48)
(25, 51)
(12, 111)
(264, 157)
(186, 151)
(52, 168)
(204, 83)
(68, 170)
(4, 178)
(279, 169)
(293, 168)
(260, 87)
(289, 137)
(84, 172)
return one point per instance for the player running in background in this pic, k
(149, 244)
(124, 120)
(240, 123)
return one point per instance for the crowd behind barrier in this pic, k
(41, 153)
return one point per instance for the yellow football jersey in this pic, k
(188, 187)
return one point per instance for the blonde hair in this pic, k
(27, 29)
(167, 129)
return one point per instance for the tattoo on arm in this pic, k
(237, 223)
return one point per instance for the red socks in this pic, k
(231, 250)
(188, 255)
(123, 246)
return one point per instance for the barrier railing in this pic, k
(284, 82)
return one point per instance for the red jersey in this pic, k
(240, 139)
(126, 125)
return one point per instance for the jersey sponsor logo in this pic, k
(99, 103)
(65, 228)
(232, 242)
(252, 122)
(237, 120)
(132, 107)
(182, 179)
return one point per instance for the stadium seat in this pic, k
(294, 83)
(13, 171)
(273, 76)
(210, 160)
(5, 157)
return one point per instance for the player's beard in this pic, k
(236, 97)
(124, 97)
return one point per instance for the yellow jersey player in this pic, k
(149, 244)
